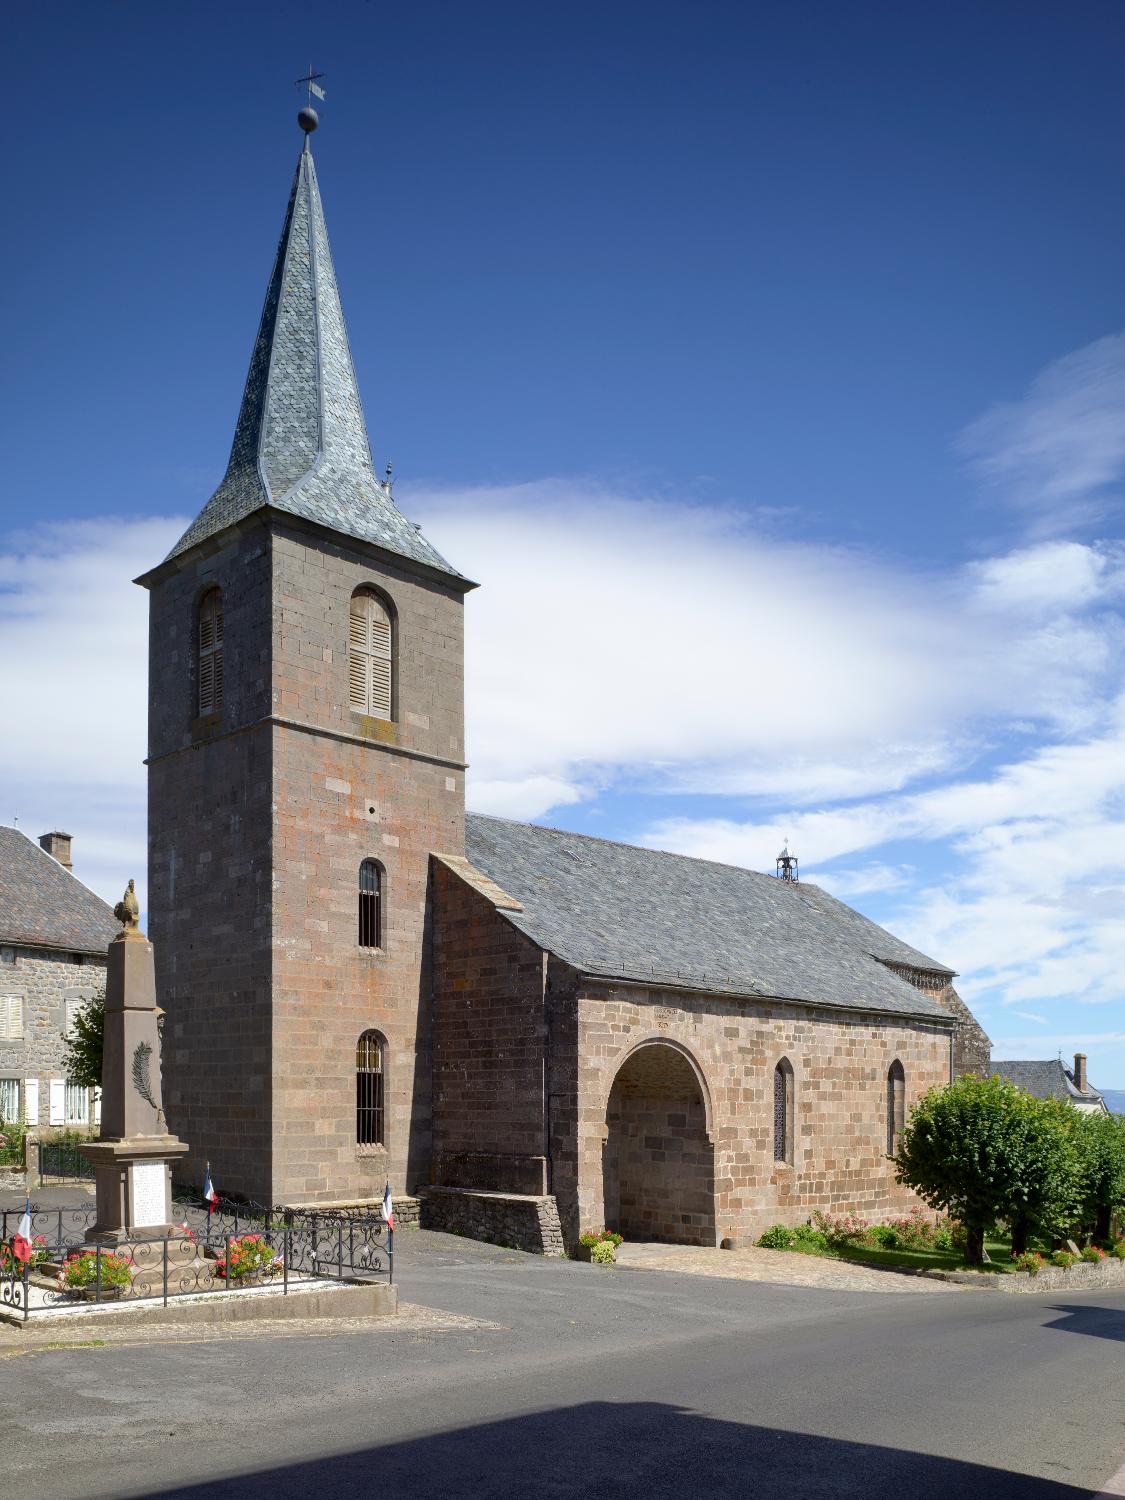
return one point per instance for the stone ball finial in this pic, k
(308, 119)
(128, 909)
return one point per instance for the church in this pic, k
(527, 1032)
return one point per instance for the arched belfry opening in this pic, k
(658, 1166)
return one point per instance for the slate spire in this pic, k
(300, 443)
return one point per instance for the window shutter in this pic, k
(31, 1101)
(57, 1095)
(11, 1018)
(97, 1105)
(211, 652)
(380, 688)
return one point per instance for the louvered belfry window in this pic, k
(370, 648)
(370, 905)
(369, 1055)
(211, 652)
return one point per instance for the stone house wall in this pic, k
(45, 979)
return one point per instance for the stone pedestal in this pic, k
(134, 1153)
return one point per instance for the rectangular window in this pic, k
(11, 1018)
(9, 1099)
(77, 1104)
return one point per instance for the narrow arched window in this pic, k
(896, 1106)
(370, 1055)
(783, 1111)
(211, 651)
(370, 655)
(370, 904)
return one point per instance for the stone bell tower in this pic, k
(306, 754)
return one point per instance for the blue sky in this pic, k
(778, 351)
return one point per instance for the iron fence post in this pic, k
(286, 1247)
(26, 1290)
(226, 1264)
(165, 1271)
(391, 1257)
(97, 1273)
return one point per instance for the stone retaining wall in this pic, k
(1082, 1277)
(512, 1219)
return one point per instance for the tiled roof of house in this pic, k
(44, 906)
(301, 442)
(1051, 1079)
(617, 911)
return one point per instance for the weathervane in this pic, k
(307, 117)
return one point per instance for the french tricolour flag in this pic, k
(21, 1240)
(210, 1196)
(388, 1207)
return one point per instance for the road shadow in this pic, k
(1095, 1322)
(609, 1451)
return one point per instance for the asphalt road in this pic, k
(595, 1383)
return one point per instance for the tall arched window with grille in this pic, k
(370, 1058)
(211, 652)
(783, 1111)
(370, 904)
(370, 655)
(896, 1106)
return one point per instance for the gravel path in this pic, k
(784, 1267)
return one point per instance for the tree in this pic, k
(983, 1150)
(83, 1061)
(1100, 1144)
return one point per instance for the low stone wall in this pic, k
(516, 1220)
(407, 1209)
(1083, 1277)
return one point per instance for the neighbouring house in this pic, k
(534, 1031)
(1052, 1079)
(53, 937)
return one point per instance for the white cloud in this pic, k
(1060, 451)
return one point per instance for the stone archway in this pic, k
(658, 1163)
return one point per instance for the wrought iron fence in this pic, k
(232, 1248)
(64, 1161)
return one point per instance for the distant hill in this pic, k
(1115, 1100)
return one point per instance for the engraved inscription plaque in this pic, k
(148, 1193)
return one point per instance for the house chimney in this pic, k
(57, 846)
(1080, 1071)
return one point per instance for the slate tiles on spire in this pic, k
(301, 443)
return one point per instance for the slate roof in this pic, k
(617, 911)
(44, 906)
(1051, 1079)
(301, 441)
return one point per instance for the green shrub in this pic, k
(849, 1229)
(613, 1237)
(589, 1238)
(603, 1253)
(1092, 1254)
(1064, 1259)
(1119, 1250)
(884, 1236)
(943, 1236)
(1031, 1261)
(777, 1237)
(805, 1234)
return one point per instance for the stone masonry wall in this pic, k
(840, 1063)
(520, 1222)
(489, 1045)
(348, 788)
(46, 980)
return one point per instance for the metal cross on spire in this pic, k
(310, 81)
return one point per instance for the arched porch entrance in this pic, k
(658, 1163)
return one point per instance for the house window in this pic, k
(211, 652)
(9, 1100)
(76, 1104)
(783, 1111)
(11, 1019)
(370, 655)
(896, 1106)
(369, 1055)
(370, 904)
